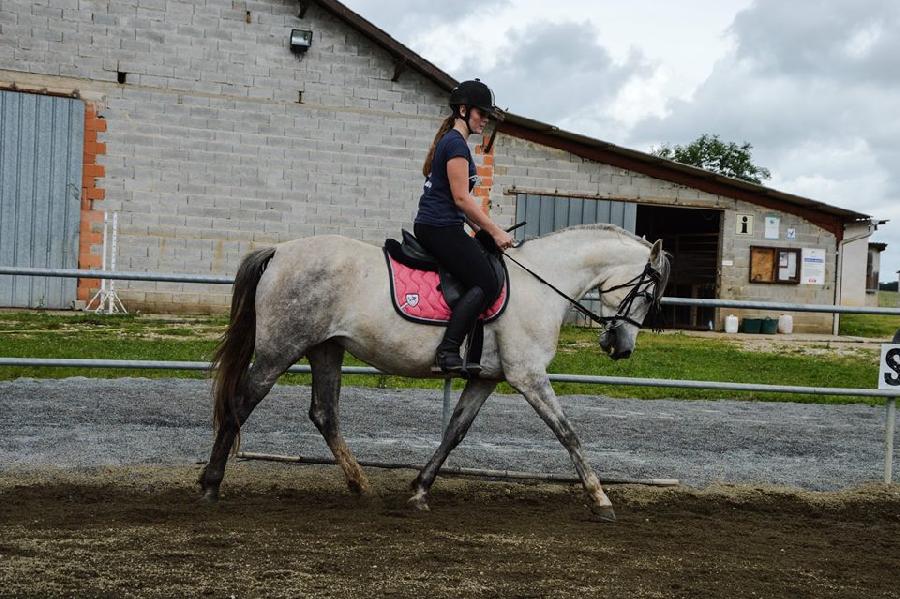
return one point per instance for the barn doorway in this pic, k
(692, 237)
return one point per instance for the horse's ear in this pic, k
(656, 251)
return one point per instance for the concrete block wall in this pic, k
(209, 151)
(524, 165)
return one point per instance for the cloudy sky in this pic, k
(814, 86)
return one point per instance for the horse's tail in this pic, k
(235, 349)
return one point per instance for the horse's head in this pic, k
(632, 292)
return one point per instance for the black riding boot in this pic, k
(463, 318)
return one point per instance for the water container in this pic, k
(786, 324)
(731, 323)
(769, 326)
(751, 325)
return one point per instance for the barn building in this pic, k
(198, 124)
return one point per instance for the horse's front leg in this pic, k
(468, 406)
(540, 395)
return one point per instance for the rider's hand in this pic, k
(503, 239)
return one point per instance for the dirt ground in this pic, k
(284, 530)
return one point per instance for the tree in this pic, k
(711, 153)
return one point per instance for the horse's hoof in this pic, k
(210, 496)
(604, 513)
(419, 502)
(361, 489)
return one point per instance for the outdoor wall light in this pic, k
(301, 40)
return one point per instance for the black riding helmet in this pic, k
(472, 93)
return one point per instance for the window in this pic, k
(775, 265)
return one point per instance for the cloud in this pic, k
(406, 19)
(840, 41)
(585, 78)
(815, 92)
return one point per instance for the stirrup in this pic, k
(449, 362)
(471, 371)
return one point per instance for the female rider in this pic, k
(446, 204)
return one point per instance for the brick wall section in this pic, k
(90, 245)
(484, 166)
(520, 164)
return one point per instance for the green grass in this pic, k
(878, 326)
(671, 355)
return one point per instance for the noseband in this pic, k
(641, 286)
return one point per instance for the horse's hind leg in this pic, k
(325, 361)
(257, 383)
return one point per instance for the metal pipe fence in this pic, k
(889, 395)
(223, 280)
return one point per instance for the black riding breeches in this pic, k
(462, 255)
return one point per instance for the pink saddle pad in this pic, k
(416, 296)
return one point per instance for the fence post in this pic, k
(890, 417)
(448, 405)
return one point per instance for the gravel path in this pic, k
(79, 422)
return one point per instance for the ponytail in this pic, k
(445, 127)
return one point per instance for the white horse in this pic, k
(321, 296)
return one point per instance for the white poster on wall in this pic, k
(772, 225)
(812, 268)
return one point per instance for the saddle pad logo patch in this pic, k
(412, 299)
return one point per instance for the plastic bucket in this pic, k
(731, 324)
(786, 324)
(769, 326)
(751, 325)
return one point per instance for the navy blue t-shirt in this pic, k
(436, 206)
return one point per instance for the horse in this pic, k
(322, 296)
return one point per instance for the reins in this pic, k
(649, 276)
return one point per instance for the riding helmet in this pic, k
(474, 93)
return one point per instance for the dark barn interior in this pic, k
(692, 237)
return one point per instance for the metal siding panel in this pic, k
(533, 216)
(61, 291)
(56, 211)
(576, 211)
(603, 211)
(39, 231)
(560, 213)
(74, 164)
(9, 161)
(547, 210)
(630, 216)
(617, 214)
(590, 211)
(25, 191)
(520, 216)
(41, 143)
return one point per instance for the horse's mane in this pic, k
(665, 265)
(596, 227)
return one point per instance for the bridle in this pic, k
(645, 285)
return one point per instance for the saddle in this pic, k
(423, 291)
